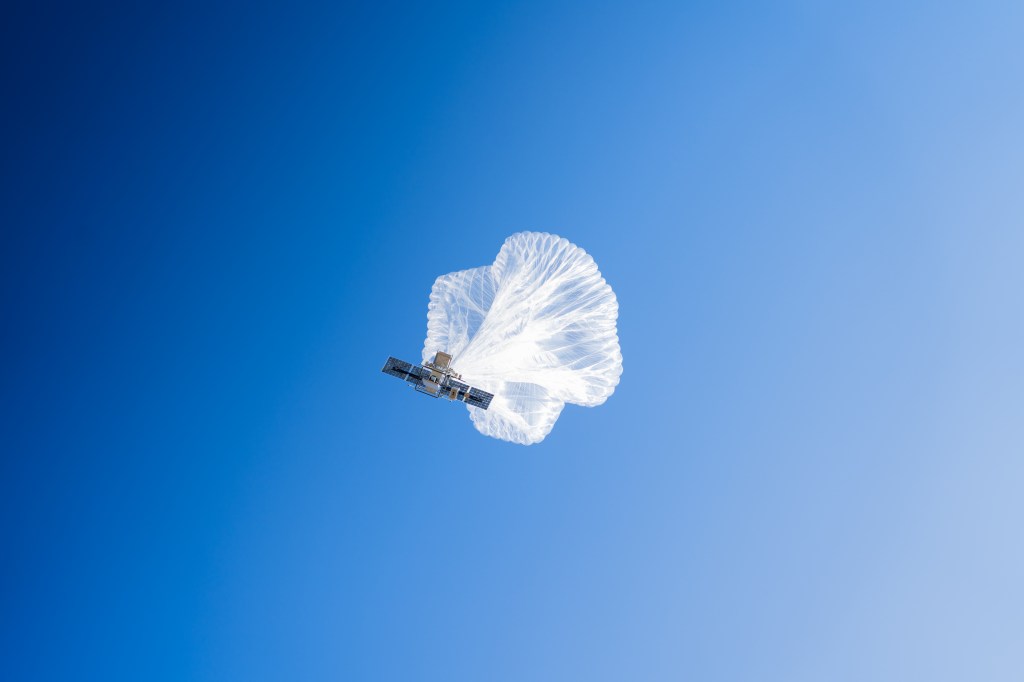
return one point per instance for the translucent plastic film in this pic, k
(537, 329)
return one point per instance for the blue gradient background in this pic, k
(218, 223)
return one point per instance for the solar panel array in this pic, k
(414, 375)
(403, 370)
(478, 398)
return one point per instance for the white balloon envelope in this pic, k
(537, 329)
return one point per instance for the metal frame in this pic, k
(437, 379)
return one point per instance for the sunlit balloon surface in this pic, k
(537, 329)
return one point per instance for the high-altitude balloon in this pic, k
(536, 329)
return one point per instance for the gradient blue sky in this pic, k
(217, 223)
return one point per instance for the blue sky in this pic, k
(219, 222)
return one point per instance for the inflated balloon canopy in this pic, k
(536, 329)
